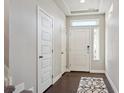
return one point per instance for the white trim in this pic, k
(20, 87)
(31, 89)
(62, 73)
(97, 71)
(91, 48)
(111, 82)
(67, 70)
(57, 78)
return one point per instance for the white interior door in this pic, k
(45, 27)
(63, 49)
(79, 49)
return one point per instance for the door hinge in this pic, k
(52, 76)
(52, 50)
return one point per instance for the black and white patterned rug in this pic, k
(92, 85)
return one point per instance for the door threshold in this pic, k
(81, 71)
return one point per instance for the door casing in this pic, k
(63, 49)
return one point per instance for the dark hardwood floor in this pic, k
(69, 82)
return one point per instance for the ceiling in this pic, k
(74, 7)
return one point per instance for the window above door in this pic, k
(85, 23)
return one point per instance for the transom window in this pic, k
(79, 23)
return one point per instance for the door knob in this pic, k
(40, 56)
(88, 49)
(88, 46)
(62, 52)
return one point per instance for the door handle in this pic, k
(40, 56)
(62, 52)
(88, 49)
(88, 46)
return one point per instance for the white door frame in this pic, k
(63, 51)
(40, 9)
(91, 44)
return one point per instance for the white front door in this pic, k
(45, 27)
(79, 49)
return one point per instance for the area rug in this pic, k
(92, 85)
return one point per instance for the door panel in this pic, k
(79, 52)
(44, 51)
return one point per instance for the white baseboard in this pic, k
(68, 70)
(111, 82)
(19, 88)
(31, 89)
(91, 71)
(56, 78)
(97, 71)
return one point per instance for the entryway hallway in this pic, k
(50, 45)
(69, 82)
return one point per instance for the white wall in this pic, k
(95, 66)
(23, 46)
(112, 45)
(22, 42)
